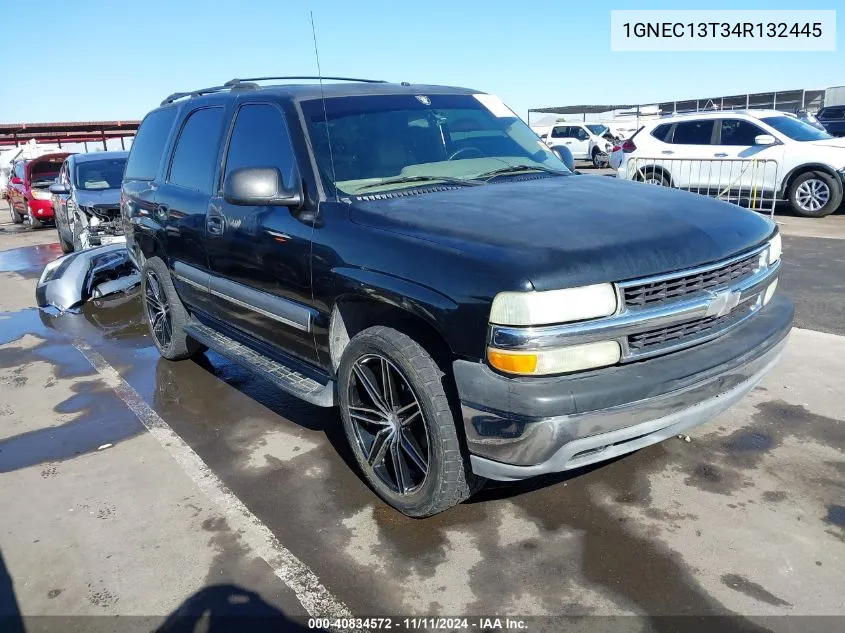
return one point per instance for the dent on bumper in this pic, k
(517, 429)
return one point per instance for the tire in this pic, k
(598, 161)
(34, 223)
(815, 194)
(447, 480)
(653, 177)
(165, 313)
(16, 217)
(67, 247)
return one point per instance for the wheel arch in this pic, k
(803, 168)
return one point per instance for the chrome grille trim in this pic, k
(627, 322)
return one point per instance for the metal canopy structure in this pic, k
(14, 134)
(785, 100)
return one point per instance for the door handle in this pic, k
(667, 151)
(720, 155)
(214, 224)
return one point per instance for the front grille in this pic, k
(658, 292)
(684, 332)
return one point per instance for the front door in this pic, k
(260, 256)
(753, 169)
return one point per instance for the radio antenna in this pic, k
(323, 98)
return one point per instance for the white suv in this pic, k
(586, 141)
(804, 165)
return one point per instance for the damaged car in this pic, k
(86, 200)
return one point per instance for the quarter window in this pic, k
(260, 139)
(693, 132)
(739, 132)
(148, 145)
(196, 150)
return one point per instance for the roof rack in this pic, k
(249, 84)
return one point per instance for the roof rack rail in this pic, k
(249, 84)
(235, 82)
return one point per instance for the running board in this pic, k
(280, 375)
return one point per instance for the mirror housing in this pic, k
(565, 156)
(16, 181)
(259, 186)
(765, 139)
(59, 189)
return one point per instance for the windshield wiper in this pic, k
(409, 179)
(515, 169)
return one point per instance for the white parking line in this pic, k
(316, 599)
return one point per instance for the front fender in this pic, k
(71, 280)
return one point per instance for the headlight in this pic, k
(41, 194)
(556, 361)
(553, 306)
(775, 248)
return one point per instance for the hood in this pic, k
(573, 230)
(87, 198)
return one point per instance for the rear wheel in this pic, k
(399, 423)
(815, 194)
(166, 316)
(653, 177)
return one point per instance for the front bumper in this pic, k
(41, 209)
(523, 427)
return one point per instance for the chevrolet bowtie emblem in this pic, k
(722, 303)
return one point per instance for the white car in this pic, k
(767, 151)
(586, 141)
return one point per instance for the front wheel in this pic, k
(17, 218)
(600, 159)
(34, 222)
(815, 194)
(399, 423)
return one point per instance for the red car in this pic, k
(29, 196)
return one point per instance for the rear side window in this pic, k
(693, 133)
(661, 132)
(739, 132)
(828, 114)
(560, 132)
(195, 155)
(260, 139)
(149, 144)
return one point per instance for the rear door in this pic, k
(181, 202)
(691, 155)
(260, 257)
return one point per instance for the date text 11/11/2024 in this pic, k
(420, 624)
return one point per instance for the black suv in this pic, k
(416, 255)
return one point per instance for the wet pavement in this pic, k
(747, 520)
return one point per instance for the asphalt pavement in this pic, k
(136, 487)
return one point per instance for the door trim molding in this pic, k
(279, 309)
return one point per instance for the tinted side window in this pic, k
(580, 134)
(195, 155)
(260, 139)
(739, 132)
(559, 132)
(828, 114)
(661, 132)
(148, 145)
(693, 133)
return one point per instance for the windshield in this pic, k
(796, 129)
(100, 174)
(418, 139)
(598, 130)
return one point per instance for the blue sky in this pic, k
(107, 59)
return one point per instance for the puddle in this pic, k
(29, 260)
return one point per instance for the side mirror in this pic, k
(765, 139)
(59, 189)
(259, 186)
(16, 181)
(565, 156)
